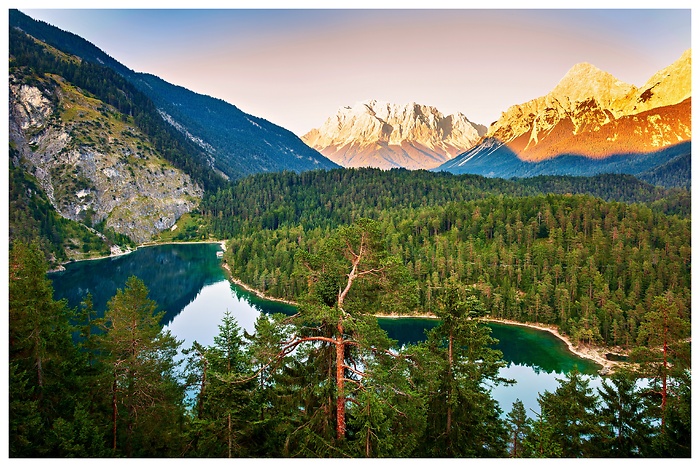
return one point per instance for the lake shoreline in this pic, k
(61, 266)
(250, 289)
(589, 353)
(595, 354)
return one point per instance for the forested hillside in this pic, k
(675, 172)
(87, 148)
(336, 197)
(590, 266)
(214, 133)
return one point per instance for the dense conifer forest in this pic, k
(610, 269)
(605, 259)
(590, 266)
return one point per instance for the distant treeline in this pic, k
(337, 197)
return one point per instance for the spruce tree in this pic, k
(142, 373)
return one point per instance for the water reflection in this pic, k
(187, 281)
(174, 275)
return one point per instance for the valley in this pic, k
(275, 294)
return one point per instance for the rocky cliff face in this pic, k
(385, 135)
(592, 113)
(92, 162)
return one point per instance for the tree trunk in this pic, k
(340, 383)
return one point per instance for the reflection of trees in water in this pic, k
(536, 349)
(264, 306)
(174, 275)
(409, 330)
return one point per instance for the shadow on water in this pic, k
(174, 275)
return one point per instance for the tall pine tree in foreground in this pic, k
(569, 413)
(142, 375)
(627, 424)
(458, 363)
(223, 409)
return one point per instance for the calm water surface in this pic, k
(187, 281)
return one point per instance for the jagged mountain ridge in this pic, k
(589, 114)
(385, 135)
(237, 143)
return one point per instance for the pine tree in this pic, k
(664, 346)
(570, 413)
(140, 358)
(336, 342)
(43, 361)
(464, 419)
(223, 407)
(520, 426)
(626, 423)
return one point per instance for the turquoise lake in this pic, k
(188, 282)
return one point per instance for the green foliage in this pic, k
(626, 422)
(674, 440)
(542, 441)
(223, 408)
(329, 199)
(589, 266)
(46, 384)
(465, 420)
(519, 427)
(569, 412)
(142, 371)
(275, 393)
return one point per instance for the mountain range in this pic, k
(589, 123)
(236, 143)
(128, 152)
(124, 152)
(385, 135)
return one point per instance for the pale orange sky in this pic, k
(297, 67)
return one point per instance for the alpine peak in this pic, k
(585, 81)
(382, 134)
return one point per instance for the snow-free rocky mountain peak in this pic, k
(385, 135)
(590, 123)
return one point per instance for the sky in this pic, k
(297, 67)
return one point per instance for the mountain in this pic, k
(236, 143)
(588, 123)
(384, 135)
(89, 140)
